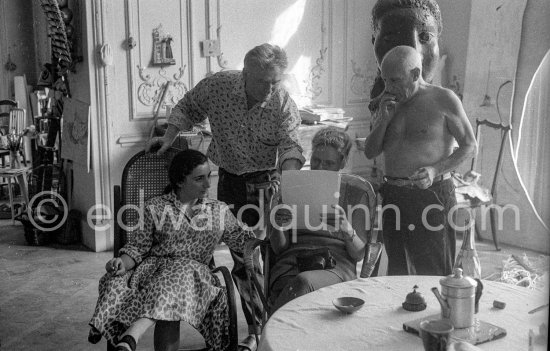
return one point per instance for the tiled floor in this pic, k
(48, 292)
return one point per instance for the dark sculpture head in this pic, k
(416, 23)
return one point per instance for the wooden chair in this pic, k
(18, 175)
(5, 107)
(472, 203)
(17, 123)
(352, 185)
(144, 176)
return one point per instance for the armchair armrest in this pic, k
(117, 231)
(233, 338)
(248, 252)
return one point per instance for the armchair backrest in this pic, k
(355, 188)
(18, 120)
(144, 176)
(5, 107)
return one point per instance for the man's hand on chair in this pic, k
(158, 145)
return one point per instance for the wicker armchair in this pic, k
(353, 184)
(144, 176)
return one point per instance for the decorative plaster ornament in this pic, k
(106, 55)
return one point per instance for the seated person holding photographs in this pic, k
(330, 149)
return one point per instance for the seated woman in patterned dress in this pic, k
(163, 275)
(330, 150)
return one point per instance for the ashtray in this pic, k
(348, 304)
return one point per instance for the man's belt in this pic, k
(400, 181)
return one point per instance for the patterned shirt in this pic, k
(244, 140)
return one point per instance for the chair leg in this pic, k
(494, 228)
(267, 266)
(10, 192)
(476, 232)
(231, 301)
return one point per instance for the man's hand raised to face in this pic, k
(386, 108)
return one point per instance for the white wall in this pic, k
(523, 42)
(454, 40)
(535, 42)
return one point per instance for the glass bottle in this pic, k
(467, 258)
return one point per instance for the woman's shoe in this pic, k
(248, 344)
(127, 343)
(94, 335)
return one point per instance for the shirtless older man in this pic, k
(417, 128)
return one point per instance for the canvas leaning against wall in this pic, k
(75, 136)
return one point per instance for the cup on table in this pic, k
(436, 334)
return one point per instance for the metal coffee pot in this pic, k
(457, 298)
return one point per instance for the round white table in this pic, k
(311, 322)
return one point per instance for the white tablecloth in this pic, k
(311, 322)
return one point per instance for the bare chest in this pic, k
(415, 125)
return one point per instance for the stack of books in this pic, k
(313, 115)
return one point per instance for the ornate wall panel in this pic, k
(359, 60)
(148, 27)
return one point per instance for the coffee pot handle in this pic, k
(479, 291)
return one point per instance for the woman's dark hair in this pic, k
(182, 165)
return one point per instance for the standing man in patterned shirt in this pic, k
(254, 126)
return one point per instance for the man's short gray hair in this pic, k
(335, 137)
(266, 56)
(384, 6)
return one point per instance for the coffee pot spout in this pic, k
(445, 308)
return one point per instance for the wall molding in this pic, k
(130, 25)
(5, 86)
(189, 26)
(97, 16)
(323, 63)
(129, 140)
(357, 86)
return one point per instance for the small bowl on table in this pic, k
(348, 304)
